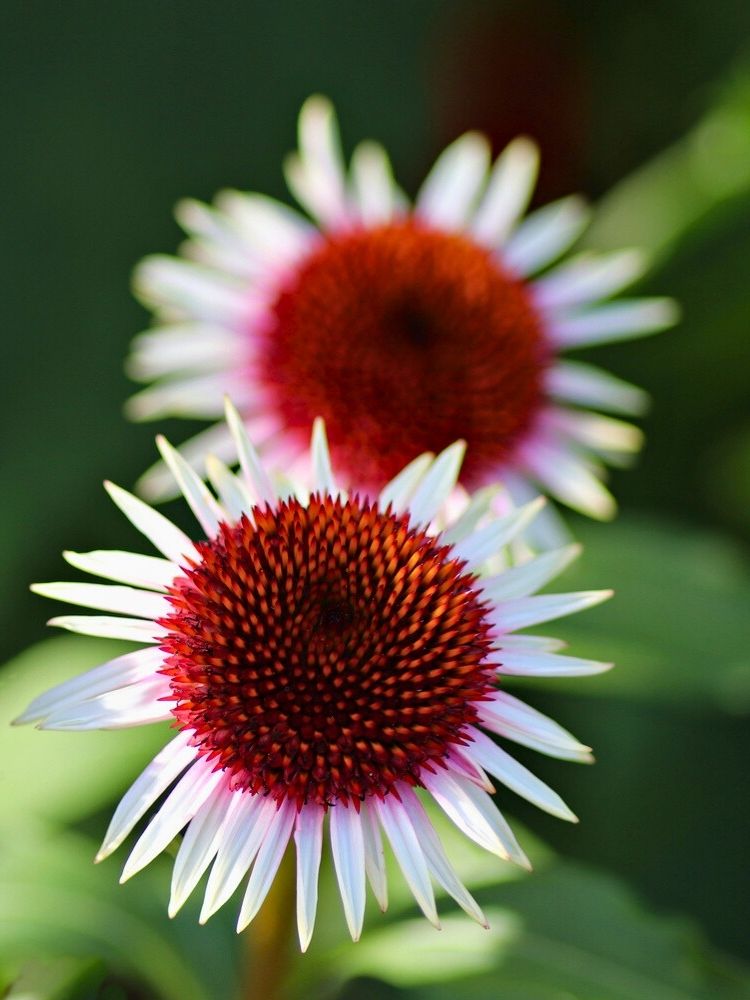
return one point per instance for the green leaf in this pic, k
(676, 628)
(63, 776)
(567, 933)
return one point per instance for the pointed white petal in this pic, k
(480, 504)
(570, 479)
(278, 234)
(589, 277)
(158, 484)
(322, 478)
(126, 567)
(524, 611)
(546, 234)
(508, 192)
(513, 719)
(138, 704)
(372, 181)
(200, 501)
(401, 488)
(129, 629)
(436, 858)
(160, 531)
(374, 856)
(516, 777)
(184, 347)
(531, 643)
(316, 174)
(308, 839)
(489, 540)
(529, 663)
(103, 597)
(614, 321)
(348, 847)
(400, 832)
(601, 434)
(474, 812)
(455, 182)
(575, 382)
(239, 842)
(183, 289)
(267, 863)
(436, 485)
(123, 670)
(459, 761)
(199, 845)
(199, 397)
(231, 491)
(528, 577)
(182, 803)
(146, 789)
(253, 470)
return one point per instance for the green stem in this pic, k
(269, 939)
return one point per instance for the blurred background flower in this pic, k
(115, 112)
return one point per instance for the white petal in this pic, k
(184, 347)
(146, 789)
(459, 761)
(138, 704)
(508, 192)
(103, 597)
(126, 567)
(589, 277)
(348, 847)
(524, 611)
(180, 288)
(516, 777)
(308, 838)
(316, 174)
(322, 473)
(123, 670)
(372, 181)
(267, 863)
(575, 382)
(239, 842)
(200, 396)
(436, 858)
(489, 540)
(276, 232)
(182, 803)
(200, 501)
(602, 434)
(401, 488)
(233, 494)
(158, 484)
(474, 812)
(406, 847)
(436, 485)
(528, 577)
(529, 663)
(517, 721)
(199, 845)
(546, 234)
(455, 182)
(160, 531)
(374, 856)
(480, 504)
(570, 479)
(253, 470)
(531, 643)
(129, 629)
(613, 321)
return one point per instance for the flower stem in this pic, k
(269, 939)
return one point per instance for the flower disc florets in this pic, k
(404, 319)
(323, 652)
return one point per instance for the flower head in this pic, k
(404, 327)
(320, 656)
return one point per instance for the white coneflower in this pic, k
(405, 327)
(327, 661)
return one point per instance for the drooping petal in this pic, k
(348, 846)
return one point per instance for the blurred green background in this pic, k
(112, 112)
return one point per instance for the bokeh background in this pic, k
(111, 112)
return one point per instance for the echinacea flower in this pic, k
(405, 327)
(320, 656)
